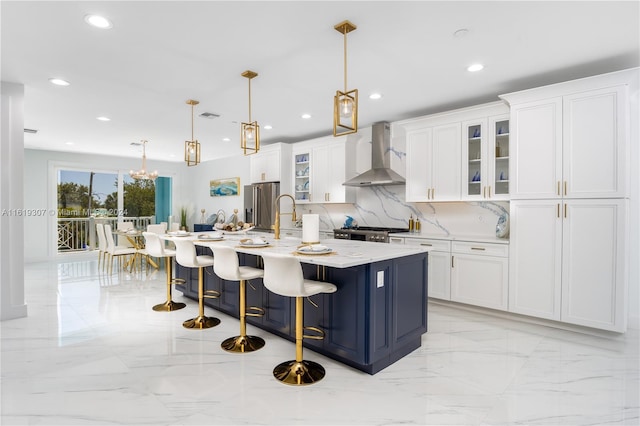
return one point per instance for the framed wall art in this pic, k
(224, 187)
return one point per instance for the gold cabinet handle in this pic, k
(565, 187)
(558, 210)
(565, 211)
(433, 193)
(484, 192)
(558, 190)
(426, 244)
(478, 248)
(489, 191)
(452, 261)
(262, 176)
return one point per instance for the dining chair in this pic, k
(283, 276)
(116, 251)
(102, 245)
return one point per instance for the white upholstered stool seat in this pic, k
(154, 246)
(186, 256)
(226, 266)
(283, 276)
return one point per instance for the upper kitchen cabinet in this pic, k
(571, 140)
(320, 167)
(272, 164)
(485, 153)
(452, 156)
(433, 163)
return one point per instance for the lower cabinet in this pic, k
(439, 266)
(377, 315)
(568, 261)
(480, 274)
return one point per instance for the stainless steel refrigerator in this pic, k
(259, 204)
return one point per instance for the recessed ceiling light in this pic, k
(59, 82)
(475, 67)
(268, 127)
(68, 143)
(306, 116)
(98, 21)
(226, 140)
(103, 118)
(375, 96)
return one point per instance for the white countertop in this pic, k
(345, 253)
(472, 238)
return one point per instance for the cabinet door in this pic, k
(535, 245)
(265, 166)
(439, 273)
(474, 155)
(320, 174)
(301, 175)
(498, 157)
(536, 149)
(593, 275)
(419, 158)
(480, 280)
(594, 144)
(445, 163)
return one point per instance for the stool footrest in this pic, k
(177, 281)
(211, 294)
(319, 336)
(257, 312)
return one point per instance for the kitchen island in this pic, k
(376, 317)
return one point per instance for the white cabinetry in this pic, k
(572, 146)
(452, 156)
(320, 167)
(439, 270)
(485, 152)
(433, 164)
(568, 261)
(479, 274)
(272, 164)
(569, 186)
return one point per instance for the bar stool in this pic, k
(155, 247)
(187, 257)
(283, 276)
(102, 245)
(227, 267)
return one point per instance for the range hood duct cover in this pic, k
(380, 172)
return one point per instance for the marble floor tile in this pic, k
(93, 352)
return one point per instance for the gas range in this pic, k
(366, 233)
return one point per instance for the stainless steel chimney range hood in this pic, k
(380, 172)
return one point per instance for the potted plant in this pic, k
(183, 219)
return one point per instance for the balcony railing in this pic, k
(75, 234)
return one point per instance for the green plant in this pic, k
(183, 216)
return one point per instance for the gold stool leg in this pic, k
(243, 343)
(201, 322)
(299, 372)
(169, 305)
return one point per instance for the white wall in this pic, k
(197, 189)
(40, 189)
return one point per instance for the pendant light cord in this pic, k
(345, 60)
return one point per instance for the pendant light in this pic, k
(142, 173)
(345, 104)
(192, 147)
(250, 132)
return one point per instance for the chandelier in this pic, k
(142, 173)
(250, 132)
(192, 147)
(345, 104)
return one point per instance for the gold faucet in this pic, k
(276, 225)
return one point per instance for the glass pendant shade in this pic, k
(192, 152)
(250, 131)
(345, 113)
(192, 147)
(345, 103)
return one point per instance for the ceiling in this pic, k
(159, 54)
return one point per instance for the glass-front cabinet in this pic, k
(302, 173)
(500, 136)
(486, 158)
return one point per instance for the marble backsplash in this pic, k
(386, 206)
